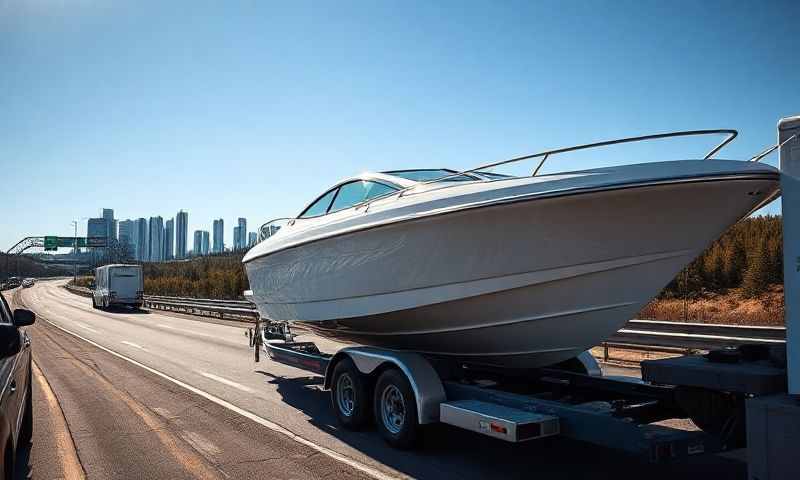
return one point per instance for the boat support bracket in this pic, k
(424, 380)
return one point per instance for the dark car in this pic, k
(16, 413)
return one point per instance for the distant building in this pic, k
(242, 233)
(156, 246)
(236, 237)
(126, 236)
(96, 227)
(111, 224)
(219, 232)
(198, 242)
(204, 243)
(169, 239)
(141, 238)
(181, 233)
(252, 239)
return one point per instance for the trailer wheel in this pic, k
(350, 395)
(396, 409)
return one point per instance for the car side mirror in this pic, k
(23, 318)
(10, 343)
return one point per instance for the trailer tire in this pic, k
(395, 410)
(350, 395)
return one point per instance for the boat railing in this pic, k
(731, 134)
(271, 227)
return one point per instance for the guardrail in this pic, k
(224, 309)
(636, 334)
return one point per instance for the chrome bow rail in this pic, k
(772, 149)
(731, 134)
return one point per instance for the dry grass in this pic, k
(729, 308)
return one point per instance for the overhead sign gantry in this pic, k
(52, 243)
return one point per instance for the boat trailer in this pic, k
(737, 396)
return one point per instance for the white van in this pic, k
(118, 285)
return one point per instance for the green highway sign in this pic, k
(54, 243)
(50, 243)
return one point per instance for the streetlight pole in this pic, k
(75, 253)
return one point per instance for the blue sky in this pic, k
(229, 109)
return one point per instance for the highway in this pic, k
(155, 395)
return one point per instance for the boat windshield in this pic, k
(426, 175)
(492, 175)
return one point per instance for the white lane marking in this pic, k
(134, 345)
(189, 331)
(371, 471)
(86, 327)
(225, 381)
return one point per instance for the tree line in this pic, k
(215, 276)
(748, 256)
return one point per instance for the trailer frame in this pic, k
(612, 412)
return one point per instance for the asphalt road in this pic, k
(153, 395)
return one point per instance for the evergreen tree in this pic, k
(756, 277)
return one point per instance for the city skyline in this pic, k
(157, 240)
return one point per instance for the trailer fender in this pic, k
(427, 386)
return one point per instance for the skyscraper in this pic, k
(142, 239)
(156, 226)
(169, 239)
(197, 245)
(252, 239)
(204, 244)
(181, 232)
(237, 237)
(219, 232)
(111, 224)
(126, 237)
(96, 227)
(242, 233)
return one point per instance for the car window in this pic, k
(320, 206)
(356, 192)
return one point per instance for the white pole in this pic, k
(790, 193)
(75, 253)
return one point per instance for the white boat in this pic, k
(510, 271)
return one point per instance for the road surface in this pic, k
(154, 395)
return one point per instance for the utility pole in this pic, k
(75, 253)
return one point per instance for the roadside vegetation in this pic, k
(214, 276)
(737, 280)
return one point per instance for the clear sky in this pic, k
(229, 109)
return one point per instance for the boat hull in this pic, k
(521, 284)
